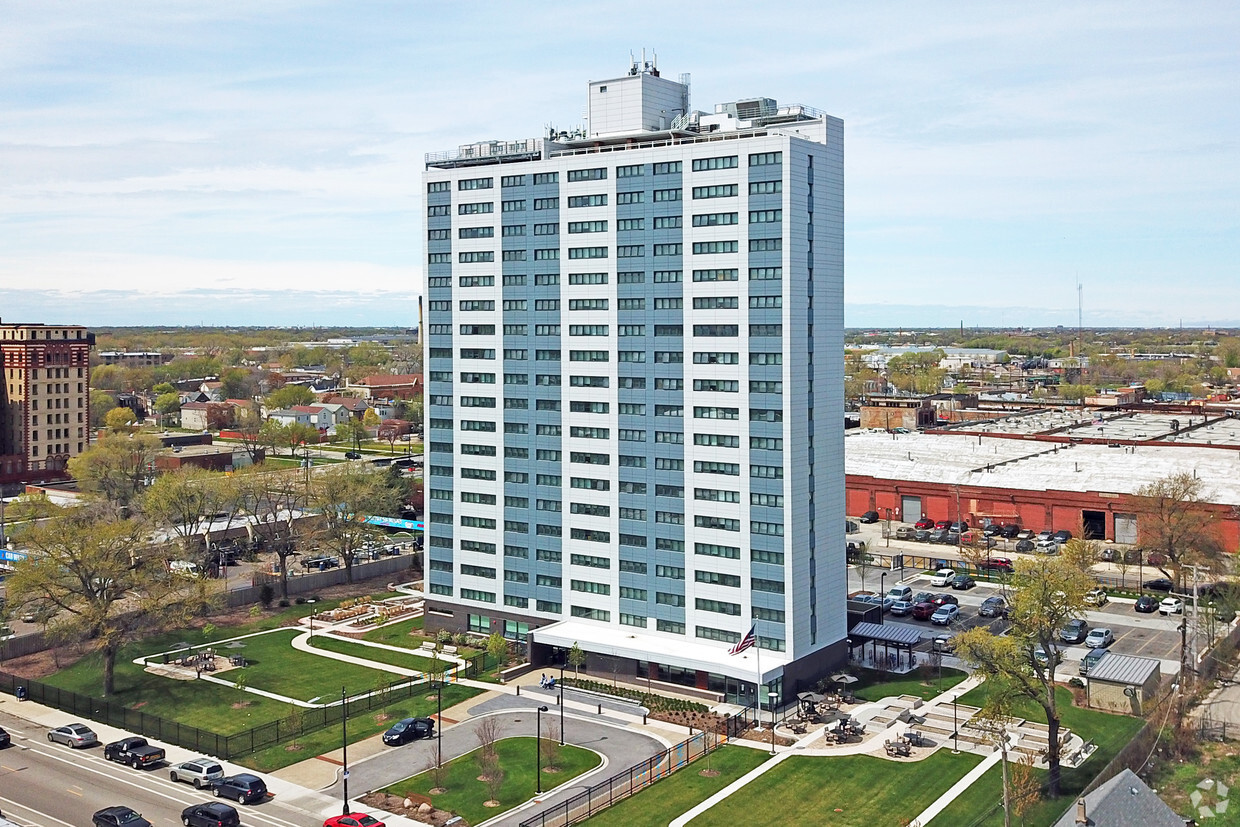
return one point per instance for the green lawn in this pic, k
(406, 633)
(275, 666)
(465, 793)
(922, 684)
(659, 803)
(1109, 732)
(407, 660)
(852, 790)
(360, 727)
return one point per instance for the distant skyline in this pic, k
(234, 163)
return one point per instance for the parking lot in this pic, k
(1148, 635)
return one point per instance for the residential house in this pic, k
(287, 416)
(389, 386)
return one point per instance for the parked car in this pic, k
(243, 787)
(134, 751)
(1074, 631)
(942, 525)
(1099, 638)
(1159, 584)
(408, 729)
(942, 577)
(945, 615)
(1025, 534)
(993, 607)
(906, 533)
(1062, 536)
(1146, 604)
(963, 581)
(1039, 655)
(201, 772)
(868, 517)
(959, 526)
(320, 563)
(999, 564)
(944, 643)
(5, 738)
(1090, 660)
(1009, 531)
(943, 599)
(353, 820)
(118, 817)
(73, 735)
(1107, 555)
(1047, 546)
(1025, 546)
(1096, 597)
(884, 602)
(923, 535)
(924, 611)
(1171, 606)
(992, 530)
(951, 538)
(902, 607)
(851, 527)
(1045, 534)
(900, 592)
(924, 522)
(211, 814)
(922, 597)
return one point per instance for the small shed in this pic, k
(1123, 683)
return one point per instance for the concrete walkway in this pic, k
(940, 804)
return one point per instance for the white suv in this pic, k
(200, 772)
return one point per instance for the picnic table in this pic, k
(898, 748)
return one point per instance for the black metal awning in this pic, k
(890, 634)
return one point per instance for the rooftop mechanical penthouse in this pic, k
(634, 401)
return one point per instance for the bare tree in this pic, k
(1175, 521)
(487, 732)
(551, 745)
(492, 775)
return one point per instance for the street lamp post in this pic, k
(538, 746)
(439, 723)
(561, 703)
(774, 703)
(344, 748)
(888, 528)
(882, 596)
(955, 728)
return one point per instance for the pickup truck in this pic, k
(134, 751)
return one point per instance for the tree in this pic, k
(167, 404)
(865, 563)
(493, 776)
(119, 419)
(917, 372)
(116, 466)
(343, 496)
(497, 648)
(270, 501)
(290, 395)
(1174, 521)
(487, 731)
(352, 431)
(297, 434)
(370, 419)
(1047, 593)
(249, 424)
(576, 658)
(237, 383)
(106, 582)
(101, 402)
(184, 503)
(164, 387)
(390, 431)
(271, 434)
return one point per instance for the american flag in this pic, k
(750, 638)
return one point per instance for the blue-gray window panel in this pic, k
(440, 578)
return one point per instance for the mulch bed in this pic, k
(396, 804)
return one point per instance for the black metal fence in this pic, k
(306, 720)
(622, 785)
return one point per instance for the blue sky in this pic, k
(259, 162)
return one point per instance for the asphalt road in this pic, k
(622, 747)
(50, 785)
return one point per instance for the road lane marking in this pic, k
(42, 819)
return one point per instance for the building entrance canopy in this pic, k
(623, 643)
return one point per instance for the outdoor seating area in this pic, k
(902, 746)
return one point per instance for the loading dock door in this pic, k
(1095, 524)
(910, 509)
(1126, 528)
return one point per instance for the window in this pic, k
(756, 386)
(714, 550)
(718, 274)
(765, 187)
(631, 171)
(666, 277)
(591, 614)
(765, 302)
(637, 277)
(516, 576)
(773, 586)
(716, 578)
(631, 304)
(667, 195)
(766, 415)
(765, 216)
(512, 181)
(513, 255)
(705, 412)
(633, 566)
(547, 579)
(588, 356)
(546, 203)
(438, 235)
(669, 357)
(766, 358)
(719, 606)
(588, 381)
(514, 280)
(547, 304)
(769, 529)
(547, 279)
(517, 205)
(667, 250)
(516, 379)
(581, 406)
(766, 273)
(631, 356)
(582, 432)
(477, 522)
(477, 256)
(587, 278)
(478, 571)
(770, 472)
(546, 178)
(716, 303)
(711, 247)
(730, 469)
(716, 191)
(552, 254)
(724, 162)
(477, 596)
(668, 222)
(439, 281)
(589, 329)
(708, 330)
(631, 330)
(550, 606)
(598, 174)
(632, 487)
(590, 561)
(667, 168)
(438, 186)
(717, 219)
(552, 480)
(591, 511)
(546, 229)
(587, 252)
(632, 409)
(475, 184)
(589, 587)
(516, 354)
(516, 428)
(758, 331)
(575, 201)
(486, 304)
(515, 329)
(631, 224)
(720, 523)
(590, 535)
(631, 435)
(587, 227)
(765, 245)
(761, 159)
(476, 208)
(630, 197)
(437, 211)
(630, 251)
(439, 258)
(549, 505)
(766, 443)
(717, 440)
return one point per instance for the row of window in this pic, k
(600, 173)
(601, 199)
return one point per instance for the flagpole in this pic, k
(757, 704)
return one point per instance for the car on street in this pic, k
(1160, 584)
(1074, 631)
(352, 455)
(1025, 546)
(942, 577)
(73, 735)
(201, 772)
(1096, 597)
(5, 738)
(924, 611)
(353, 820)
(211, 814)
(409, 729)
(993, 607)
(243, 787)
(868, 517)
(963, 581)
(902, 607)
(945, 615)
(1171, 606)
(1099, 638)
(1146, 604)
(134, 751)
(924, 522)
(118, 817)
(944, 599)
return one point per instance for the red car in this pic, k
(925, 523)
(943, 525)
(923, 611)
(943, 599)
(353, 820)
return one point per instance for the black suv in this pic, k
(118, 817)
(993, 607)
(242, 787)
(211, 814)
(407, 730)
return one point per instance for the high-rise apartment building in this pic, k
(634, 388)
(44, 399)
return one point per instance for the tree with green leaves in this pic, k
(298, 435)
(497, 648)
(288, 396)
(183, 503)
(272, 435)
(1047, 593)
(342, 496)
(119, 419)
(105, 581)
(352, 432)
(116, 466)
(167, 404)
(576, 658)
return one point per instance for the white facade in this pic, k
(634, 397)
